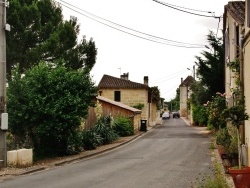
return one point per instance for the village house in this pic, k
(185, 93)
(137, 95)
(236, 30)
(246, 67)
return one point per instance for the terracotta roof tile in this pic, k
(189, 80)
(121, 105)
(110, 82)
(237, 10)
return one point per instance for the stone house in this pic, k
(236, 30)
(185, 93)
(246, 76)
(130, 93)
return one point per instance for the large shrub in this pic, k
(91, 140)
(123, 126)
(215, 109)
(47, 103)
(200, 115)
(103, 128)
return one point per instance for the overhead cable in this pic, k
(168, 5)
(152, 37)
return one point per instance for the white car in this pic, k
(165, 115)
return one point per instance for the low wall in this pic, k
(20, 158)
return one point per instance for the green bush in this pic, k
(47, 103)
(200, 115)
(123, 126)
(223, 137)
(91, 140)
(104, 129)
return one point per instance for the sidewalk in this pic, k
(215, 157)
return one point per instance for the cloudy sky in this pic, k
(147, 37)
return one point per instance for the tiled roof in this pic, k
(121, 105)
(110, 82)
(237, 10)
(189, 80)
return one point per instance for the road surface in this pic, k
(170, 156)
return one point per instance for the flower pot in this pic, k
(241, 177)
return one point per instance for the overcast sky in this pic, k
(141, 53)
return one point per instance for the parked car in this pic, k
(165, 115)
(176, 114)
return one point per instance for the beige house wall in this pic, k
(183, 101)
(230, 55)
(131, 97)
(247, 93)
(246, 70)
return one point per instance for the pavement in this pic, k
(11, 172)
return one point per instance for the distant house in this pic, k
(185, 94)
(137, 95)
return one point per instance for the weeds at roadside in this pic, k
(215, 180)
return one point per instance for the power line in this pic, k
(128, 27)
(169, 77)
(168, 5)
(155, 38)
(190, 8)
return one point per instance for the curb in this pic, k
(68, 161)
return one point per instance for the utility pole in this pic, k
(3, 28)
(194, 71)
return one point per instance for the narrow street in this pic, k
(170, 156)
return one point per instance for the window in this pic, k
(118, 96)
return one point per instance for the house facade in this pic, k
(236, 29)
(137, 95)
(185, 93)
(246, 75)
(233, 31)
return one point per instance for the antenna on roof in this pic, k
(120, 71)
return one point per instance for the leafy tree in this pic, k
(199, 97)
(211, 66)
(156, 95)
(39, 33)
(47, 103)
(175, 103)
(200, 94)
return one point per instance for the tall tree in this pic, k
(39, 33)
(211, 66)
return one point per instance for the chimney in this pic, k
(145, 80)
(124, 76)
(181, 80)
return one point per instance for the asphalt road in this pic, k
(170, 156)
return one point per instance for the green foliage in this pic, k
(47, 103)
(104, 129)
(236, 114)
(123, 126)
(211, 66)
(91, 140)
(200, 115)
(200, 94)
(215, 111)
(155, 95)
(223, 137)
(39, 33)
(138, 106)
